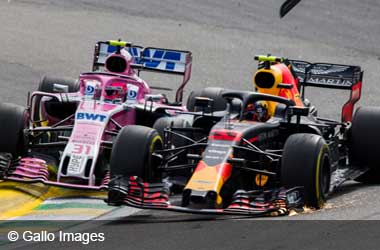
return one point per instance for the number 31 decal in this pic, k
(80, 148)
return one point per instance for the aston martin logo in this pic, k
(328, 69)
(333, 82)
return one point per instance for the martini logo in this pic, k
(90, 117)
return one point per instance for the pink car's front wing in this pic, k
(33, 170)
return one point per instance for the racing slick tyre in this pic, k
(306, 162)
(132, 156)
(47, 84)
(365, 143)
(176, 140)
(210, 92)
(165, 122)
(14, 119)
(132, 153)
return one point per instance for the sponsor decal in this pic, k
(91, 87)
(325, 69)
(335, 82)
(75, 164)
(84, 134)
(214, 144)
(132, 93)
(90, 90)
(267, 135)
(261, 180)
(293, 197)
(90, 116)
(216, 153)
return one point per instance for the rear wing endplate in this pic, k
(153, 59)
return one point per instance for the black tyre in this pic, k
(47, 84)
(210, 92)
(132, 153)
(176, 140)
(365, 143)
(13, 120)
(306, 162)
(165, 122)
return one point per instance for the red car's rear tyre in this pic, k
(220, 103)
(365, 143)
(165, 122)
(176, 141)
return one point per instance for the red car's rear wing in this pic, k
(160, 60)
(336, 76)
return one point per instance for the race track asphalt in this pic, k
(56, 37)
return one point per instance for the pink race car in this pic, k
(65, 135)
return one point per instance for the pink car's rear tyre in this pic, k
(13, 120)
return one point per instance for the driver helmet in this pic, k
(257, 111)
(115, 92)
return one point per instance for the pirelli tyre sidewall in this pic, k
(14, 119)
(132, 153)
(365, 143)
(306, 162)
(209, 92)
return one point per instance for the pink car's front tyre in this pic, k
(132, 153)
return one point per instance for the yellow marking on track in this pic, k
(18, 199)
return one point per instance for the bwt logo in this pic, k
(91, 117)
